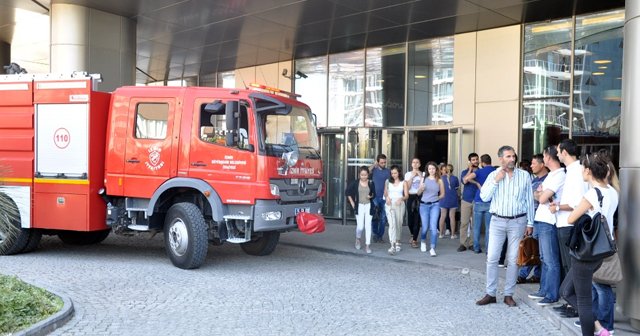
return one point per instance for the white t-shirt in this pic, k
(553, 182)
(609, 204)
(572, 192)
(414, 183)
(395, 192)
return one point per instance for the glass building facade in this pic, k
(572, 79)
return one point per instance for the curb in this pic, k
(54, 321)
(463, 270)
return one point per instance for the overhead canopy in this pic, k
(186, 38)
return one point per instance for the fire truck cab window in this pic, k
(151, 121)
(213, 126)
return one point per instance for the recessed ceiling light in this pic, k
(598, 73)
(602, 61)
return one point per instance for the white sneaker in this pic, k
(398, 248)
(446, 233)
(392, 250)
(358, 244)
(432, 252)
(423, 247)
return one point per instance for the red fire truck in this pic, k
(203, 165)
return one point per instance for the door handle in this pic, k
(198, 164)
(133, 160)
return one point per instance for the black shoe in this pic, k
(533, 279)
(569, 313)
(521, 280)
(478, 251)
(562, 308)
(461, 248)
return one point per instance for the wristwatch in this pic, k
(557, 208)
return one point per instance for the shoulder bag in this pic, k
(591, 238)
(610, 272)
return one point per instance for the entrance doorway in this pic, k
(432, 145)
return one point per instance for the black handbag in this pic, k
(591, 239)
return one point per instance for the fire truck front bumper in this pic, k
(268, 215)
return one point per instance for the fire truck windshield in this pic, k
(294, 131)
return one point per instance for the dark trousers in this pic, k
(576, 289)
(413, 215)
(564, 233)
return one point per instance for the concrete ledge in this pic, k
(54, 321)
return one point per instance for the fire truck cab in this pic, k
(202, 165)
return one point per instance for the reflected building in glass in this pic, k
(572, 78)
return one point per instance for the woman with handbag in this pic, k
(604, 299)
(576, 287)
(360, 194)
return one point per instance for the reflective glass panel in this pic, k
(546, 85)
(384, 88)
(313, 88)
(598, 81)
(430, 82)
(346, 89)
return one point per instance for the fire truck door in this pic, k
(149, 151)
(231, 168)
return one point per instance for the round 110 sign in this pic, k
(61, 138)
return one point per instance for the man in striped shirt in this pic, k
(509, 190)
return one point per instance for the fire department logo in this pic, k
(155, 160)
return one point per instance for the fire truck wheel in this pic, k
(262, 246)
(186, 236)
(83, 238)
(13, 238)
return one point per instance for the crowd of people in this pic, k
(542, 198)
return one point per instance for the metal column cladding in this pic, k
(629, 212)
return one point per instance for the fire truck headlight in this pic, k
(275, 190)
(271, 215)
(291, 158)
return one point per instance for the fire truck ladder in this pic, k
(234, 235)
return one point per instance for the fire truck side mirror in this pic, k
(231, 115)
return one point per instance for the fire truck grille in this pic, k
(296, 190)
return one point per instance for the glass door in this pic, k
(332, 144)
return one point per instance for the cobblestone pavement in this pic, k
(127, 286)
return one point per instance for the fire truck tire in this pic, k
(83, 238)
(13, 238)
(186, 236)
(34, 240)
(262, 246)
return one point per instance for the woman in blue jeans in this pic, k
(432, 190)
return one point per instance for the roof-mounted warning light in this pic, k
(272, 90)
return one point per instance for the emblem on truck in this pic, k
(155, 161)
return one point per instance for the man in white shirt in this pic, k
(574, 189)
(545, 225)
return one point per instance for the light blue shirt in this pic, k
(511, 196)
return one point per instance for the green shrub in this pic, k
(22, 305)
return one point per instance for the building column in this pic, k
(5, 55)
(86, 39)
(629, 212)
